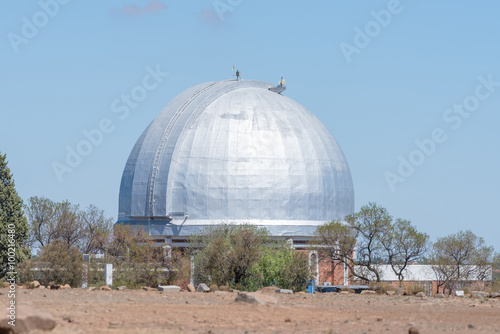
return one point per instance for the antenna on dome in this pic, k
(280, 88)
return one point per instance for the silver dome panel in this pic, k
(235, 152)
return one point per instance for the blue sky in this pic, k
(410, 90)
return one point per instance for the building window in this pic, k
(314, 265)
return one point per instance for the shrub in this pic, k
(414, 288)
(225, 254)
(297, 272)
(60, 263)
(381, 287)
(137, 261)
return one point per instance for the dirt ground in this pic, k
(138, 311)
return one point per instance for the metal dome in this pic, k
(235, 152)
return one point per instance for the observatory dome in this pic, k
(234, 151)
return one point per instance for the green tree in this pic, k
(60, 263)
(297, 274)
(496, 272)
(225, 253)
(403, 244)
(13, 224)
(279, 265)
(245, 256)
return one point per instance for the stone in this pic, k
(191, 288)
(494, 294)
(28, 319)
(368, 292)
(35, 284)
(255, 298)
(439, 295)
(169, 288)
(105, 288)
(66, 287)
(413, 330)
(68, 318)
(121, 288)
(480, 294)
(420, 294)
(470, 326)
(202, 287)
(286, 291)
(147, 288)
(92, 288)
(459, 293)
(390, 293)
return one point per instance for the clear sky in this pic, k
(410, 90)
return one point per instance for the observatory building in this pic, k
(235, 151)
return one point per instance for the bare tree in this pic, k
(95, 230)
(41, 214)
(336, 241)
(403, 244)
(68, 223)
(460, 257)
(372, 223)
(87, 229)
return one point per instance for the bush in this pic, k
(414, 288)
(381, 287)
(281, 266)
(225, 254)
(297, 273)
(137, 261)
(244, 257)
(60, 263)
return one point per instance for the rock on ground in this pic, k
(368, 292)
(202, 287)
(287, 291)
(413, 330)
(420, 294)
(169, 288)
(105, 288)
(480, 294)
(494, 294)
(28, 319)
(255, 298)
(191, 288)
